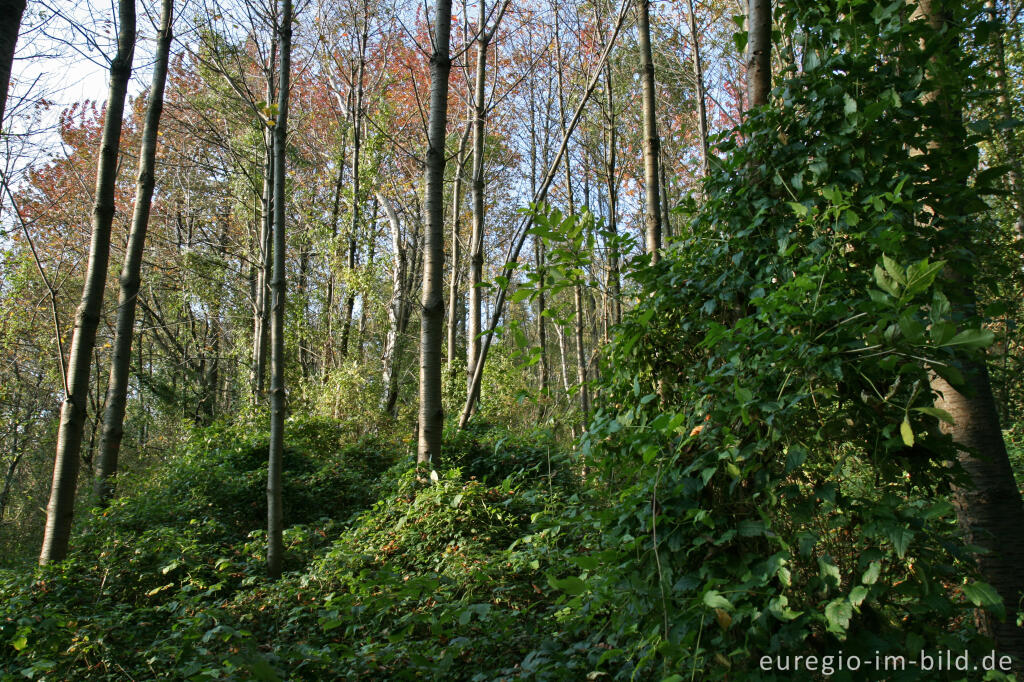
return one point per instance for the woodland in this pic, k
(492, 340)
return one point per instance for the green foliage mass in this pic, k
(775, 478)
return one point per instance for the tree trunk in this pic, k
(60, 510)
(353, 230)
(12, 10)
(396, 312)
(1008, 135)
(275, 525)
(261, 319)
(990, 512)
(476, 241)
(652, 142)
(329, 302)
(759, 52)
(698, 85)
(131, 272)
(431, 414)
(453, 282)
(612, 182)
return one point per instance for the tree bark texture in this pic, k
(759, 52)
(431, 413)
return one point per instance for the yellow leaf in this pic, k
(907, 433)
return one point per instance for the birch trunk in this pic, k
(431, 413)
(759, 52)
(396, 312)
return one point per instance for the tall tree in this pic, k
(990, 511)
(275, 521)
(652, 142)
(60, 510)
(699, 94)
(476, 241)
(117, 388)
(431, 413)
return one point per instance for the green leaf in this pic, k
(715, 600)
(571, 585)
(901, 538)
(838, 614)
(885, 282)
(971, 338)
(849, 104)
(798, 208)
(894, 269)
(984, 595)
(907, 433)
(456, 501)
(19, 643)
(937, 412)
(779, 607)
(587, 563)
(858, 594)
(870, 576)
(520, 294)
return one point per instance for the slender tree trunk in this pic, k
(131, 272)
(60, 510)
(329, 302)
(11, 10)
(275, 520)
(652, 142)
(476, 241)
(759, 52)
(612, 182)
(396, 312)
(1009, 137)
(431, 414)
(698, 82)
(353, 230)
(261, 321)
(453, 286)
(512, 256)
